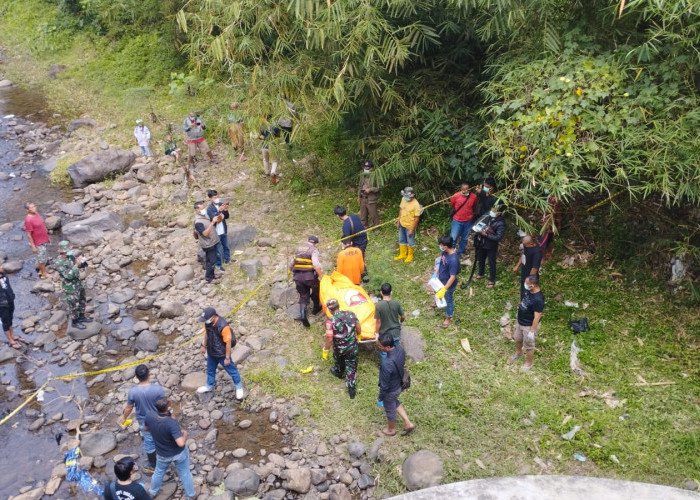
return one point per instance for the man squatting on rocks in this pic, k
(205, 232)
(170, 448)
(123, 488)
(217, 344)
(391, 373)
(68, 268)
(342, 330)
(306, 269)
(223, 254)
(142, 398)
(38, 237)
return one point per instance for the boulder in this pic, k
(147, 341)
(44, 286)
(91, 329)
(158, 283)
(145, 303)
(298, 480)
(239, 235)
(80, 122)
(193, 380)
(140, 326)
(52, 223)
(339, 492)
(267, 242)
(122, 296)
(172, 309)
(413, 343)
(91, 230)
(44, 338)
(97, 443)
(282, 296)
(357, 449)
(240, 353)
(124, 334)
(97, 166)
(12, 266)
(7, 353)
(57, 318)
(422, 469)
(250, 267)
(5, 83)
(183, 274)
(74, 208)
(242, 482)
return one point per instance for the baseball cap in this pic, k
(313, 239)
(207, 314)
(368, 164)
(408, 191)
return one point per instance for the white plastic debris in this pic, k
(40, 395)
(568, 303)
(509, 305)
(574, 363)
(570, 435)
(415, 313)
(505, 319)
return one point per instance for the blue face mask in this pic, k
(208, 322)
(407, 198)
(486, 189)
(367, 171)
(492, 213)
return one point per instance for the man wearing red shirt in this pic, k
(462, 204)
(38, 236)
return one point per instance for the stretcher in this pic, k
(350, 297)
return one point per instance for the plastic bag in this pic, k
(80, 476)
(350, 297)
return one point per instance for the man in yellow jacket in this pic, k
(409, 215)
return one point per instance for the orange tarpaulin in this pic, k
(350, 297)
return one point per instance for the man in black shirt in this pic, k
(529, 262)
(351, 227)
(529, 316)
(124, 488)
(390, 382)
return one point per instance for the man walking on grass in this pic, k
(529, 316)
(218, 342)
(143, 397)
(390, 385)
(342, 330)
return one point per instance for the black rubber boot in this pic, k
(351, 392)
(83, 319)
(77, 324)
(317, 308)
(302, 317)
(151, 467)
(336, 373)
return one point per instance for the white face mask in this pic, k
(203, 212)
(217, 200)
(486, 189)
(367, 171)
(527, 287)
(492, 213)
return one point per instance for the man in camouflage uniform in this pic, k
(68, 268)
(342, 330)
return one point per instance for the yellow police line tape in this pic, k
(238, 306)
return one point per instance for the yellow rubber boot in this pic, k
(402, 252)
(409, 257)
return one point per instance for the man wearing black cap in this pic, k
(216, 207)
(353, 229)
(306, 269)
(367, 196)
(217, 344)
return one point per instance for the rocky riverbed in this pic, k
(145, 288)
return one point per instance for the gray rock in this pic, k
(45, 338)
(240, 353)
(121, 296)
(97, 166)
(7, 353)
(145, 303)
(74, 208)
(194, 380)
(91, 329)
(277, 494)
(97, 443)
(147, 341)
(36, 493)
(267, 242)
(243, 482)
(12, 266)
(37, 424)
(413, 343)
(140, 326)
(158, 283)
(282, 296)
(124, 334)
(55, 69)
(226, 495)
(6, 83)
(365, 481)
(172, 309)
(43, 286)
(244, 424)
(298, 480)
(250, 267)
(339, 492)
(374, 449)
(422, 469)
(80, 122)
(184, 274)
(91, 230)
(239, 453)
(318, 476)
(215, 476)
(357, 449)
(239, 235)
(52, 222)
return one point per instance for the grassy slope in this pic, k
(467, 406)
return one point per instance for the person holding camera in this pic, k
(205, 232)
(194, 138)
(217, 207)
(68, 268)
(491, 234)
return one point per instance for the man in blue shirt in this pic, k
(390, 382)
(143, 398)
(447, 274)
(170, 448)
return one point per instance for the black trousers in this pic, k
(307, 287)
(489, 254)
(209, 262)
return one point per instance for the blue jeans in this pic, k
(450, 299)
(223, 254)
(182, 466)
(231, 369)
(405, 239)
(149, 445)
(145, 151)
(397, 342)
(460, 229)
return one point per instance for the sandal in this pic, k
(490, 284)
(20, 339)
(479, 277)
(385, 434)
(514, 358)
(16, 345)
(406, 432)
(445, 324)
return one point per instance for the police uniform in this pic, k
(368, 201)
(305, 277)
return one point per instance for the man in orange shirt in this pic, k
(350, 262)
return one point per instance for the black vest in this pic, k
(216, 347)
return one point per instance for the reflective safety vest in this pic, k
(302, 259)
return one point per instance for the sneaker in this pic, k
(204, 388)
(221, 268)
(240, 393)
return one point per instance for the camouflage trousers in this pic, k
(347, 362)
(75, 298)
